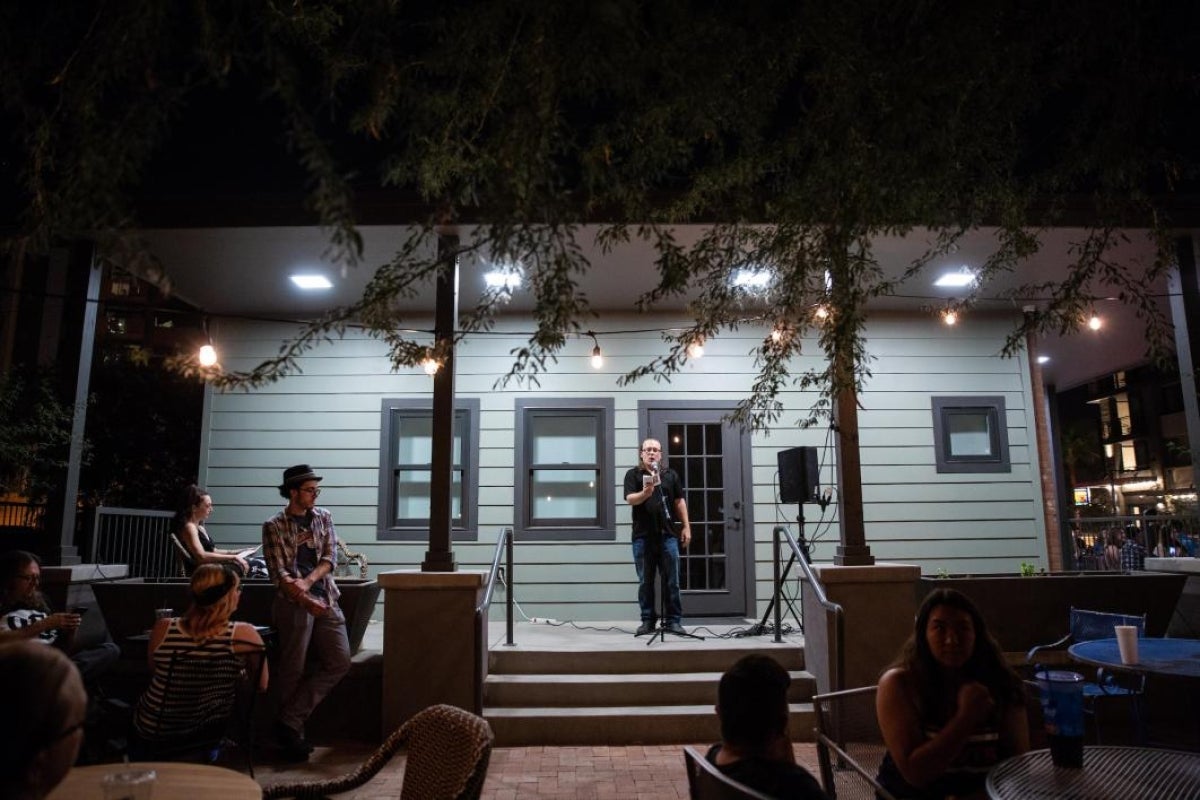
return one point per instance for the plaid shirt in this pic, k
(1133, 556)
(280, 534)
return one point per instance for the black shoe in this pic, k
(646, 627)
(294, 746)
(675, 627)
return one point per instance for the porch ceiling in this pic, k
(244, 271)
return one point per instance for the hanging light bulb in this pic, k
(821, 312)
(950, 316)
(207, 356)
(431, 365)
(597, 357)
(695, 349)
(1094, 322)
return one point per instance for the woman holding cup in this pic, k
(949, 706)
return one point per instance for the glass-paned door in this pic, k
(708, 456)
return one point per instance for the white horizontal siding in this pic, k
(329, 416)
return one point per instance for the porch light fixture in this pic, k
(957, 279)
(311, 282)
(597, 357)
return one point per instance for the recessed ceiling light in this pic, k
(956, 279)
(751, 277)
(502, 279)
(311, 282)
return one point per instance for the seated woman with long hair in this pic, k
(190, 702)
(949, 706)
(195, 506)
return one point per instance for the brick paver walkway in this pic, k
(636, 772)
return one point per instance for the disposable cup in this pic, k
(1127, 643)
(1062, 711)
(133, 784)
(164, 613)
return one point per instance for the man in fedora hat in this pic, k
(300, 546)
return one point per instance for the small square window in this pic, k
(970, 434)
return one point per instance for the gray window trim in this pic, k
(604, 527)
(993, 406)
(468, 530)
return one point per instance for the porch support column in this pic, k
(1184, 288)
(439, 557)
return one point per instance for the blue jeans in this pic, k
(651, 560)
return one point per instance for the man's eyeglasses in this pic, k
(31, 578)
(315, 491)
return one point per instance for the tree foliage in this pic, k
(35, 434)
(801, 130)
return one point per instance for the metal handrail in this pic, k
(504, 544)
(819, 592)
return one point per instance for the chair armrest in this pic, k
(1061, 643)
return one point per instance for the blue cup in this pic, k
(1062, 709)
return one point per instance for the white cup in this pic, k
(134, 784)
(1127, 643)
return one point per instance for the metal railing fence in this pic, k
(137, 537)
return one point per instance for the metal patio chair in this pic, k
(706, 782)
(1087, 626)
(850, 745)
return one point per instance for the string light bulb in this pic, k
(597, 356)
(1094, 322)
(950, 316)
(207, 356)
(431, 366)
(696, 349)
(821, 312)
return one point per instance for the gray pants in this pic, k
(299, 690)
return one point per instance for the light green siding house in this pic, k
(549, 460)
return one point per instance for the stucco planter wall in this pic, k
(128, 605)
(1026, 611)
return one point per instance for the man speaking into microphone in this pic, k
(660, 527)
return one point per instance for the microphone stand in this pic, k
(661, 632)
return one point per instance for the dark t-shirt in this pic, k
(650, 517)
(307, 557)
(778, 779)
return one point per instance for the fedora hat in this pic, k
(294, 476)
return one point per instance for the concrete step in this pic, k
(622, 725)
(637, 658)
(618, 689)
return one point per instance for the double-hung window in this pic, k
(970, 434)
(564, 473)
(406, 470)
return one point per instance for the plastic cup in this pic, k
(134, 784)
(1062, 709)
(1127, 643)
(164, 613)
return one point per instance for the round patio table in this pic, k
(174, 779)
(1179, 657)
(1107, 773)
